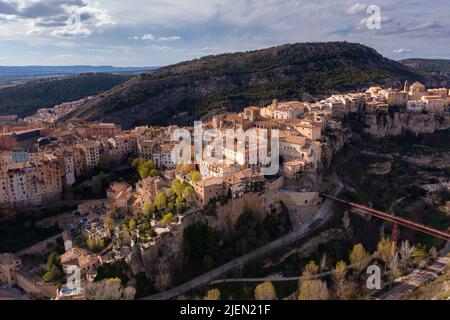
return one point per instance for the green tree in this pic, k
(92, 246)
(178, 187)
(132, 224)
(101, 244)
(146, 168)
(194, 176)
(161, 201)
(54, 268)
(109, 223)
(265, 291)
(167, 219)
(54, 274)
(188, 194)
(182, 168)
(143, 172)
(419, 253)
(137, 162)
(53, 259)
(149, 208)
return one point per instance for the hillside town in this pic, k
(130, 201)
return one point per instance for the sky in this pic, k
(162, 32)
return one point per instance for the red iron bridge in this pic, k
(391, 218)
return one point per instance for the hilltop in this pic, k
(186, 91)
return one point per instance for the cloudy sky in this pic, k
(161, 32)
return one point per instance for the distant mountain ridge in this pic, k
(189, 90)
(25, 99)
(75, 69)
(428, 65)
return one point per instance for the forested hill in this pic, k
(25, 99)
(189, 90)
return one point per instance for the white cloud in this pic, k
(158, 47)
(212, 26)
(60, 18)
(402, 50)
(170, 38)
(148, 36)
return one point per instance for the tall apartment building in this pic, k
(31, 183)
(145, 149)
(124, 144)
(91, 153)
(68, 164)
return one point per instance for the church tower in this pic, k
(406, 87)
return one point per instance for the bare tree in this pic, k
(339, 274)
(393, 266)
(163, 278)
(433, 254)
(384, 251)
(265, 291)
(359, 258)
(310, 269)
(108, 289)
(405, 252)
(313, 290)
(340, 271)
(213, 294)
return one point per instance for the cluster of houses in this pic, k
(38, 159)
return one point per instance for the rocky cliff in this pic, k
(385, 125)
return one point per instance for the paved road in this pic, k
(420, 276)
(322, 215)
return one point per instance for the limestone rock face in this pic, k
(333, 144)
(398, 123)
(135, 260)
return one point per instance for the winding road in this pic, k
(322, 215)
